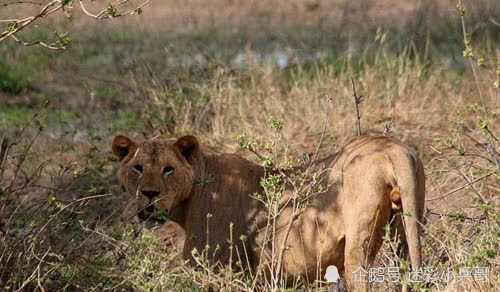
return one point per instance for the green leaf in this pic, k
(482, 124)
(111, 11)
(275, 123)
(481, 62)
(467, 53)
(460, 10)
(12, 25)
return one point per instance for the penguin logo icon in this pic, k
(332, 274)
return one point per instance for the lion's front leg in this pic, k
(172, 234)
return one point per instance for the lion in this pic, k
(370, 182)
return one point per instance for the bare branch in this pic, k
(357, 100)
(325, 123)
(387, 127)
(492, 20)
(491, 150)
(106, 13)
(475, 73)
(22, 2)
(20, 24)
(4, 147)
(43, 44)
(3, 150)
(460, 188)
(16, 25)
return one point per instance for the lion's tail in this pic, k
(410, 184)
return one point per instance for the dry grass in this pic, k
(193, 15)
(422, 101)
(435, 111)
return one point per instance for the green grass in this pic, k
(15, 116)
(13, 80)
(67, 120)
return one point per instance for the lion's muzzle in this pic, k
(146, 213)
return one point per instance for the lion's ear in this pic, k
(123, 146)
(188, 146)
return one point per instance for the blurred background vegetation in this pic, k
(109, 65)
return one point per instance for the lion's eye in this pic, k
(167, 170)
(138, 167)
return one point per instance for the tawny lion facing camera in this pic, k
(368, 182)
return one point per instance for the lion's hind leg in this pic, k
(366, 212)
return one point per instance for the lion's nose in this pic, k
(150, 194)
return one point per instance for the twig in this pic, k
(472, 186)
(437, 151)
(63, 208)
(16, 25)
(467, 47)
(492, 20)
(491, 134)
(41, 43)
(460, 188)
(104, 14)
(3, 150)
(3, 157)
(283, 245)
(328, 99)
(387, 127)
(22, 23)
(22, 159)
(494, 154)
(489, 147)
(357, 100)
(22, 2)
(454, 216)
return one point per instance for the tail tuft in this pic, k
(395, 197)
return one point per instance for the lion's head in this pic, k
(156, 172)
